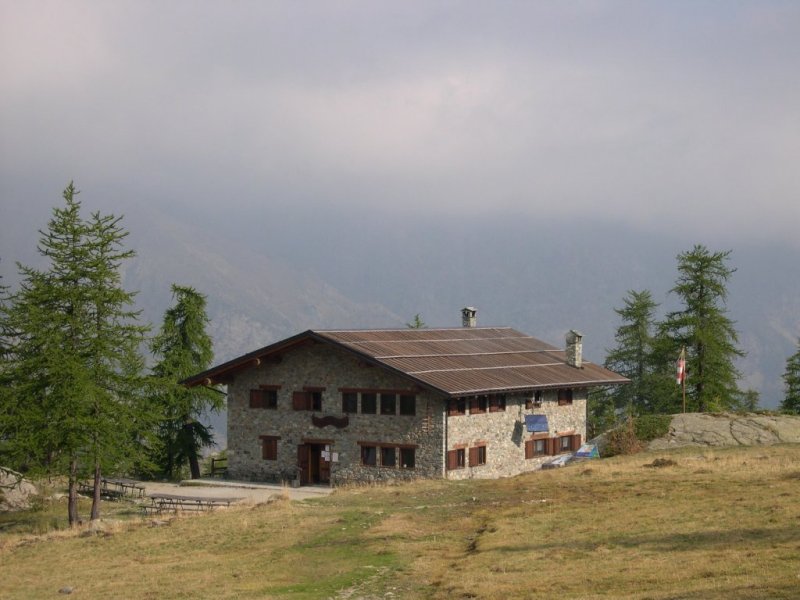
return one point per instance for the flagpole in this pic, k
(683, 379)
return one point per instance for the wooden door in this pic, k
(324, 466)
(303, 452)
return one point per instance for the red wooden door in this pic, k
(303, 451)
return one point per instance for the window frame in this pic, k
(388, 403)
(479, 404)
(365, 448)
(385, 451)
(382, 450)
(565, 396)
(477, 455)
(531, 450)
(405, 449)
(456, 459)
(456, 407)
(309, 398)
(373, 396)
(535, 401)
(264, 397)
(404, 402)
(269, 447)
(497, 403)
(350, 396)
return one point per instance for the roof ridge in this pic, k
(409, 329)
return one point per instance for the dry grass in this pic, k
(721, 524)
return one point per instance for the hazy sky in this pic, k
(658, 114)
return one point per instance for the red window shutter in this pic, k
(529, 449)
(552, 446)
(575, 442)
(269, 448)
(473, 457)
(452, 460)
(473, 404)
(300, 401)
(256, 399)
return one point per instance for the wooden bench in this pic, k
(219, 466)
(160, 503)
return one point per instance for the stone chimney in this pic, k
(575, 349)
(469, 316)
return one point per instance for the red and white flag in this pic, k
(681, 364)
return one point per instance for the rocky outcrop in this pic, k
(724, 429)
(16, 492)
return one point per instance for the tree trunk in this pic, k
(194, 463)
(96, 493)
(72, 496)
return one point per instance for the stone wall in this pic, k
(504, 433)
(331, 368)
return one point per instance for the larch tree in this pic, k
(417, 323)
(632, 357)
(73, 368)
(703, 328)
(183, 348)
(791, 379)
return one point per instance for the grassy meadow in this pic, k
(716, 524)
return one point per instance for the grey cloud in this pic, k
(662, 115)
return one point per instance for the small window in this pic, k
(564, 397)
(535, 401)
(456, 459)
(497, 403)
(368, 456)
(565, 443)
(407, 458)
(535, 448)
(457, 406)
(388, 456)
(368, 403)
(307, 400)
(408, 405)
(269, 447)
(478, 405)
(349, 402)
(264, 398)
(388, 404)
(477, 456)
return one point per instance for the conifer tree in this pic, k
(417, 323)
(791, 378)
(633, 355)
(183, 348)
(74, 368)
(703, 328)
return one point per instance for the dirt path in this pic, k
(249, 492)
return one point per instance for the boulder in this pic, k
(726, 429)
(16, 492)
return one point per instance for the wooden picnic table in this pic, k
(114, 488)
(174, 503)
(128, 487)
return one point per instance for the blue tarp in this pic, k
(536, 423)
(587, 451)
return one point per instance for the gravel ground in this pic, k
(249, 492)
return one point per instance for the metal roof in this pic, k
(454, 361)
